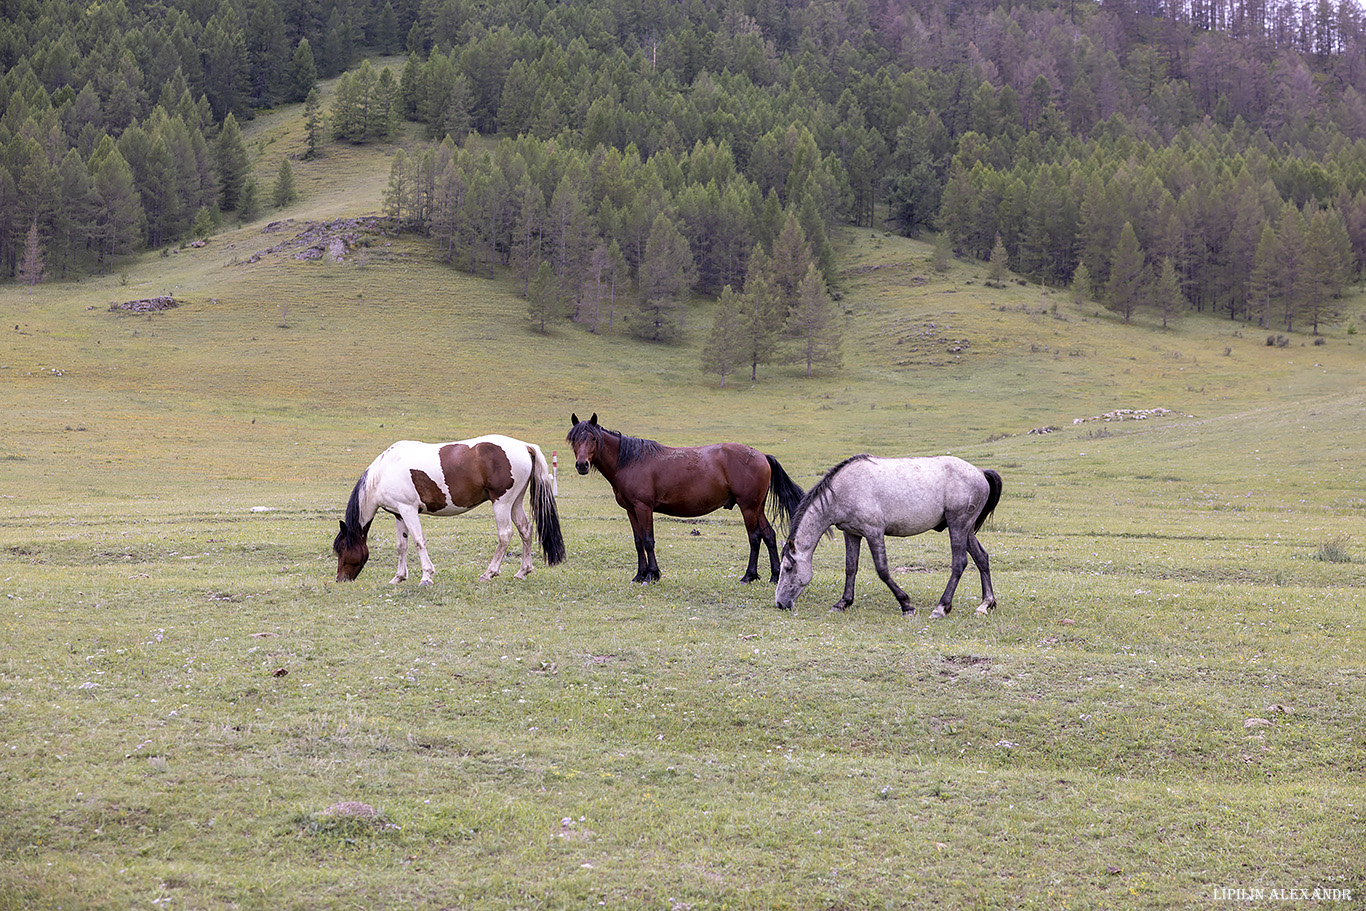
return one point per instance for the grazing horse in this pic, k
(446, 479)
(648, 477)
(868, 498)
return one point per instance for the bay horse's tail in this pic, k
(784, 494)
(995, 486)
(543, 508)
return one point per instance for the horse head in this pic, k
(352, 551)
(794, 575)
(583, 436)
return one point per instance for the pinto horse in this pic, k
(868, 498)
(649, 477)
(446, 479)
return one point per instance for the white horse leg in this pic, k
(877, 546)
(523, 523)
(502, 517)
(408, 517)
(979, 556)
(401, 533)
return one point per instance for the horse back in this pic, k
(689, 481)
(451, 478)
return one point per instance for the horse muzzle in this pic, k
(582, 467)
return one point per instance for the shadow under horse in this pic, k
(686, 481)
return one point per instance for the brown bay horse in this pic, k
(649, 477)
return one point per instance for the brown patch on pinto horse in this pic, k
(472, 475)
(433, 500)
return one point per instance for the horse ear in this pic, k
(342, 523)
(594, 419)
(366, 529)
(573, 419)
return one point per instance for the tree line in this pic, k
(1198, 125)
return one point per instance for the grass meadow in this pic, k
(1167, 710)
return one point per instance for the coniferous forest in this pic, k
(1206, 156)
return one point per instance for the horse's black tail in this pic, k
(784, 494)
(995, 486)
(544, 510)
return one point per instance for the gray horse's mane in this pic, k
(629, 448)
(821, 490)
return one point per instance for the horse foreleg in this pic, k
(502, 520)
(643, 528)
(979, 556)
(959, 548)
(877, 546)
(852, 544)
(523, 523)
(410, 529)
(401, 536)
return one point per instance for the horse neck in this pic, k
(367, 499)
(814, 523)
(608, 455)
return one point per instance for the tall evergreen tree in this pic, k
(1124, 291)
(667, 275)
(816, 323)
(314, 125)
(1167, 294)
(284, 191)
(724, 349)
(233, 164)
(761, 319)
(33, 264)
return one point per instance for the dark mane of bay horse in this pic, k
(818, 490)
(351, 533)
(630, 448)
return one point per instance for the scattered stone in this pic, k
(1256, 723)
(146, 305)
(351, 808)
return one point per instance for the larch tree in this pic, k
(724, 349)
(667, 275)
(816, 323)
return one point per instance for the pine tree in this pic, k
(33, 264)
(119, 218)
(816, 323)
(791, 257)
(1000, 262)
(233, 164)
(667, 275)
(543, 297)
(1264, 286)
(249, 204)
(1125, 288)
(1167, 293)
(284, 192)
(303, 71)
(314, 125)
(724, 348)
(1082, 289)
(761, 320)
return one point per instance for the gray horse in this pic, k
(868, 498)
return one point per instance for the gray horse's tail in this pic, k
(784, 493)
(995, 486)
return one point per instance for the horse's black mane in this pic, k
(629, 448)
(351, 533)
(820, 490)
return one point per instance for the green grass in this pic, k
(185, 691)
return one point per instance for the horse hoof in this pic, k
(984, 609)
(747, 578)
(425, 583)
(939, 613)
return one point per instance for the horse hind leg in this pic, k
(959, 549)
(979, 556)
(759, 532)
(523, 523)
(502, 517)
